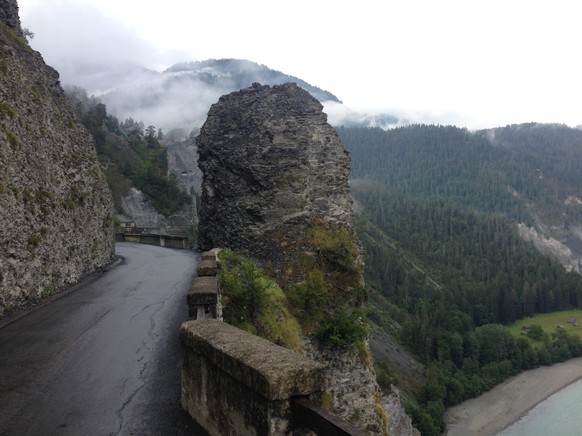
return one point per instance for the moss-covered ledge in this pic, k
(234, 382)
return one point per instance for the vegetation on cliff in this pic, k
(327, 305)
(254, 302)
(132, 155)
(330, 299)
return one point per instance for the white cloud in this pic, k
(88, 48)
(492, 63)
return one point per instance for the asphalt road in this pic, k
(104, 359)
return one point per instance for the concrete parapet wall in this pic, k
(169, 241)
(211, 254)
(203, 294)
(207, 267)
(236, 383)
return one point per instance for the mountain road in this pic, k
(105, 358)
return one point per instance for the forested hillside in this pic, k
(487, 270)
(131, 155)
(545, 162)
(445, 265)
(500, 170)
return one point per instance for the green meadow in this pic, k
(550, 322)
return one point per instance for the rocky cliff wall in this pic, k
(275, 181)
(137, 208)
(55, 206)
(546, 244)
(9, 15)
(275, 164)
(183, 160)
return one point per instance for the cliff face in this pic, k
(9, 15)
(270, 164)
(275, 186)
(546, 244)
(137, 208)
(183, 160)
(55, 206)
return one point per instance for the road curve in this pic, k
(105, 359)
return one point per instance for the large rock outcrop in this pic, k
(9, 15)
(55, 206)
(275, 187)
(270, 162)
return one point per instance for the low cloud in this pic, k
(111, 61)
(164, 100)
(389, 118)
(87, 48)
(341, 115)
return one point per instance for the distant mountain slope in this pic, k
(546, 160)
(438, 276)
(530, 172)
(239, 73)
(181, 96)
(444, 258)
(145, 188)
(434, 161)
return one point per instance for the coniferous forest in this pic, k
(130, 154)
(445, 266)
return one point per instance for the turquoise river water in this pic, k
(559, 415)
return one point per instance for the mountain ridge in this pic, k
(180, 96)
(528, 172)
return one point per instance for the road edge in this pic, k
(84, 280)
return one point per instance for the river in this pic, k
(560, 414)
(500, 407)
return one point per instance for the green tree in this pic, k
(535, 332)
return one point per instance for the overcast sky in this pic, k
(472, 63)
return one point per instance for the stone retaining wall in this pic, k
(234, 382)
(203, 296)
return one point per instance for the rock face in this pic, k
(137, 208)
(9, 15)
(183, 161)
(270, 161)
(545, 244)
(399, 423)
(55, 206)
(272, 168)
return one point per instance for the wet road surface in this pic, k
(104, 359)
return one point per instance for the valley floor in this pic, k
(507, 402)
